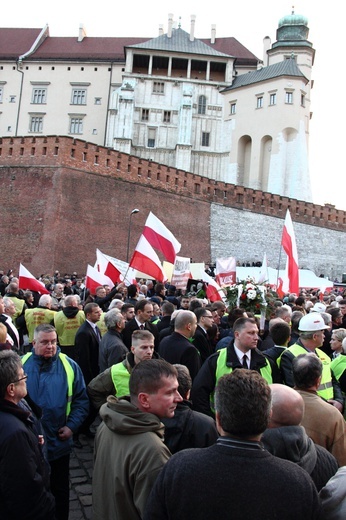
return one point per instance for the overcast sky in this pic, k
(249, 22)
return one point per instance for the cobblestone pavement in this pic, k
(81, 469)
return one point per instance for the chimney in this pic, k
(192, 31)
(213, 34)
(170, 24)
(266, 46)
(81, 33)
(160, 30)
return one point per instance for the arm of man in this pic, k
(80, 402)
(338, 400)
(192, 360)
(100, 388)
(286, 368)
(203, 386)
(25, 492)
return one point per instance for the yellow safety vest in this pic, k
(69, 375)
(325, 389)
(35, 317)
(66, 328)
(120, 377)
(222, 369)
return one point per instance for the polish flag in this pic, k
(28, 282)
(225, 272)
(94, 279)
(289, 244)
(213, 292)
(161, 238)
(106, 266)
(145, 259)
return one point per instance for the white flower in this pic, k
(251, 294)
(250, 286)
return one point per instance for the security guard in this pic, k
(311, 335)
(242, 353)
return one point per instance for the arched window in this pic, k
(202, 104)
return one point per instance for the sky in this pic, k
(249, 22)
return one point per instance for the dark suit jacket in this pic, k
(178, 349)
(87, 351)
(202, 344)
(3, 319)
(132, 325)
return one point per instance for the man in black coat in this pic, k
(141, 321)
(177, 348)
(201, 341)
(285, 438)
(87, 344)
(24, 477)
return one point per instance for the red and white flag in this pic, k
(225, 272)
(289, 244)
(28, 282)
(145, 259)
(161, 238)
(106, 266)
(94, 279)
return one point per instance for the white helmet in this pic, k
(312, 322)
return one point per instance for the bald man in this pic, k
(286, 439)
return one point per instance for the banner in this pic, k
(225, 272)
(181, 272)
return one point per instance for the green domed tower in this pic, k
(293, 31)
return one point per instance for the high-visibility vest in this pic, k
(222, 369)
(120, 377)
(338, 366)
(66, 328)
(34, 318)
(325, 389)
(69, 375)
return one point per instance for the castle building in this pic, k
(206, 106)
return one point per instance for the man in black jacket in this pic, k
(24, 479)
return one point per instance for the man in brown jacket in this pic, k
(322, 421)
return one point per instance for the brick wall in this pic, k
(62, 198)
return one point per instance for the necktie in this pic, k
(98, 333)
(142, 327)
(245, 365)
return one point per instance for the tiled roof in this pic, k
(87, 50)
(284, 68)
(180, 42)
(15, 42)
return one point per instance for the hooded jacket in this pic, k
(129, 453)
(292, 443)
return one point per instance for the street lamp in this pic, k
(129, 233)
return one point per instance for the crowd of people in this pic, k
(192, 395)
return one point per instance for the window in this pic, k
(39, 96)
(145, 114)
(36, 124)
(12, 99)
(166, 116)
(76, 125)
(202, 104)
(78, 97)
(232, 109)
(205, 138)
(1, 94)
(158, 87)
(302, 100)
(289, 98)
(97, 101)
(260, 102)
(272, 99)
(151, 137)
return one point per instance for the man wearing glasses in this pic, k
(205, 321)
(24, 479)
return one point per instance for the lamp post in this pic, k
(129, 233)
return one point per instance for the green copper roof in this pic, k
(293, 19)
